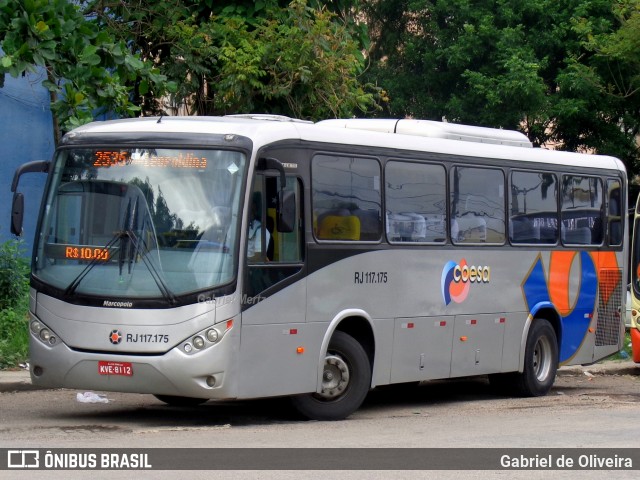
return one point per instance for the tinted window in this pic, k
(615, 211)
(272, 256)
(346, 198)
(477, 205)
(415, 202)
(581, 210)
(533, 208)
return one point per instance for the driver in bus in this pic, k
(254, 242)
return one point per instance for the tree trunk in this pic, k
(53, 97)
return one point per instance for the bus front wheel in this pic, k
(346, 379)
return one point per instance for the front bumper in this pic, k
(206, 374)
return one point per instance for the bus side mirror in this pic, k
(17, 206)
(17, 213)
(286, 213)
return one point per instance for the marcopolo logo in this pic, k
(458, 277)
(109, 303)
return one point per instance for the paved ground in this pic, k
(15, 381)
(589, 407)
(19, 380)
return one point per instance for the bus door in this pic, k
(276, 356)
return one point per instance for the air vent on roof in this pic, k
(429, 128)
(266, 116)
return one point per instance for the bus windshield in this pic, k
(140, 222)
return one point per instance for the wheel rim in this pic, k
(335, 378)
(542, 359)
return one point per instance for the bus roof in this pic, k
(430, 128)
(410, 135)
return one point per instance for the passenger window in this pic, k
(582, 210)
(533, 206)
(346, 198)
(477, 205)
(415, 202)
(614, 189)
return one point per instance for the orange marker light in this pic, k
(463, 339)
(591, 329)
(300, 350)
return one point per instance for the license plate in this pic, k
(115, 368)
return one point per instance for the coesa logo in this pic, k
(457, 279)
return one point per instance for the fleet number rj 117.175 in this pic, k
(370, 277)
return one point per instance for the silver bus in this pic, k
(255, 256)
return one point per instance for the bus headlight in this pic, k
(45, 334)
(198, 342)
(207, 338)
(42, 332)
(212, 335)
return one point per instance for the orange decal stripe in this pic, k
(559, 270)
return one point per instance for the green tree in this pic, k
(265, 56)
(14, 304)
(621, 50)
(87, 70)
(613, 76)
(519, 64)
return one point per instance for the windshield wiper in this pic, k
(71, 288)
(130, 237)
(138, 247)
(130, 247)
(141, 247)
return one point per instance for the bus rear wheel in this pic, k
(176, 401)
(540, 364)
(346, 379)
(540, 361)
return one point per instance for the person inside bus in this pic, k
(254, 242)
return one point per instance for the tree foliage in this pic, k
(542, 66)
(87, 70)
(14, 304)
(566, 73)
(14, 274)
(613, 77)
(266, 56)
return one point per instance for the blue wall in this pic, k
(26, 134)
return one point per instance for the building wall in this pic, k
(26, 134)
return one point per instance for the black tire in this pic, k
(176, 401)
(540, 364)
(346, 381)
(540, 360)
